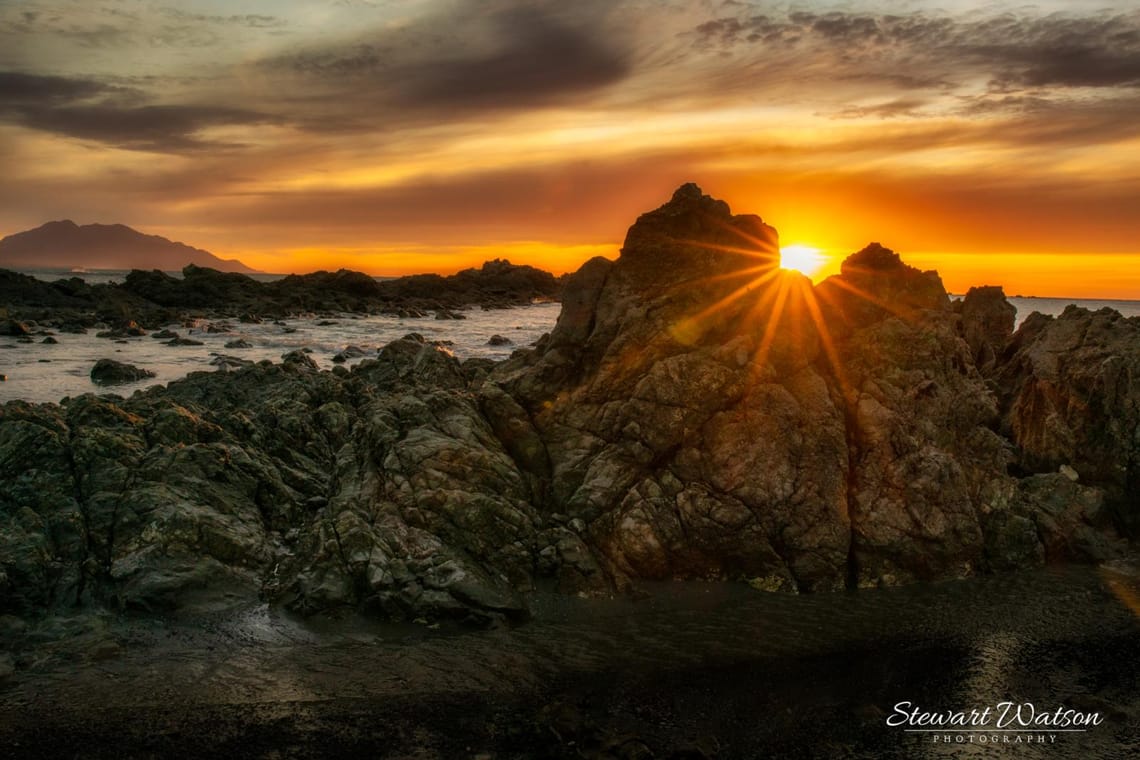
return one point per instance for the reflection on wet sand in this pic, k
(742, 671)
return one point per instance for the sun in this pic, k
(802, 258)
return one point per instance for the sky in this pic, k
(994, 141)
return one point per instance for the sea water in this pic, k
(48, 372)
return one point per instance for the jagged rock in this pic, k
(448, 314)
(987, 323)
(239, 343)
(111, 372)
(1069, 397)
(874, 284)
(164, 334)
(695, 413)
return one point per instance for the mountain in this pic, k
(66, 245)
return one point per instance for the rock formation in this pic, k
(155, 297)
(695, 413)
(111, 372)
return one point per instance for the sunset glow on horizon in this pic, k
(394, 138)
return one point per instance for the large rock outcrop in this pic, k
(1071, 397)
(706, 414)
(697, 412)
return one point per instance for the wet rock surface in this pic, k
(681, 671)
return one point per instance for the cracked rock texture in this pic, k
(696, 413)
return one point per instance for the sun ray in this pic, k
(904, 314)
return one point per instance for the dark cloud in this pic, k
(900, 107)
(20, 88)
(250, 20)
(494, 56)
(535, 59)
(1013, 51)
(96, 35)
(90, 110)
(159, 128)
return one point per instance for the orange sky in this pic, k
(993, 141)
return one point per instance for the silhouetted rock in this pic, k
(239, 343)
(111, 372)
(874, 284)
(987, 323)
(498, 340)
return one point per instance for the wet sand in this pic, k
(685, 670)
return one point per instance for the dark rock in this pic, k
(13, 328)
(239, 343)
(1069, 398)
(875, 284)
(164, 334)
(111, 372)
(180, 341)
(498, 340)
(350, 352)
(49, 340)
(695, 413)
(447, 314)
(224, 362)
(987, 323)
(129, 329)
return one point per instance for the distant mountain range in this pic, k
(67, 245)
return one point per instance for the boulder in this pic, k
(111, 372)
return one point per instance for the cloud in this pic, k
(87, 109)
(250, 20)
(1011, 50)
(17, 87)
(492, 56)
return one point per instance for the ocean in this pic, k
(47, 373)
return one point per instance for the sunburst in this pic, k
(802, 258)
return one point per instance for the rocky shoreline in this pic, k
(696, 413)
(147, 301)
